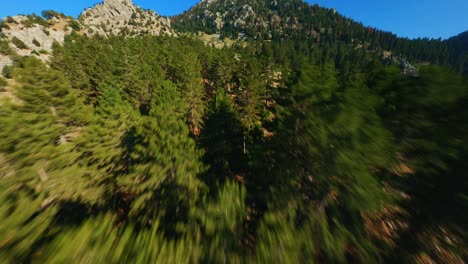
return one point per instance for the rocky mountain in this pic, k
(461, 37)
(35, 35)
(289, 22)
(122, 17)
(257, 19)
(297, 23)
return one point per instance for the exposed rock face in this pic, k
(233, 17)
(122, 17)
(408, 69)
(27, 38)
(4, 61)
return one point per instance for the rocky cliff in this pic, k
(122, 17)
(33, 35)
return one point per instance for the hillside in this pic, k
(35, 35)
(238, 132)
(289, 22)
(297, 21)
(461, 37)
(122, 17)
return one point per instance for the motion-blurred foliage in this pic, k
(164, 150)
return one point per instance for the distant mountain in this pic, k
(293, 23)
(122, 17)
(112, 17)
(461, 37)
(460, 41)
(267, 19)
(299, 22)
(35, 35)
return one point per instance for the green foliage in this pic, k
(10, 19)
(313, 26)
(220, 223)
(3, 83)
(162, 155)
(38, 156)
(7, 70)
(335, 142)
(19, 43)
(429, 123)
(49, 14)
(163, 149)
(98, 240)
(35, 42)
(222, 139)
(34, 19)
(5, 48)
(75, 25)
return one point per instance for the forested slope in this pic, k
(292, 23)
(164, 149)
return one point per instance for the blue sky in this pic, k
(407, 18)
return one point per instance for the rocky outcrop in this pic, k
(34, 36)
(4, 61)
(122, 17)
(31, 35)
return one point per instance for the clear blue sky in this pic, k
(407, 18)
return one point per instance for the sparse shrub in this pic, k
(35, 19)
(27, 23)
(10, 19)
(47, 32)
(3, 83)
(6, 72)
(5, 48)
(18, 43)
(35, 42)
(4, 24)
(49, 14)
(75, 25)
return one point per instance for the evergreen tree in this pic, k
(337, 144)
(39, 171)
(163, 159)
(221, 139)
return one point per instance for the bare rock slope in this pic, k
(122, 17)
(28, 37)
(32, 35)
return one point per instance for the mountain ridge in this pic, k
(263, 20)
(27, 35)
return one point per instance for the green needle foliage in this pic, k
(168, 150)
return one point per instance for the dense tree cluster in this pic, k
(295, 22)
(168, 150)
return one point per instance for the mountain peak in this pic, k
(122, 17)
(208, 1)
(117, 2)
(32, 35)
(462, 36)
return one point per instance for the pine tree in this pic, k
(221, 139)
(337, 143)
(163, 158)
(39, 171)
